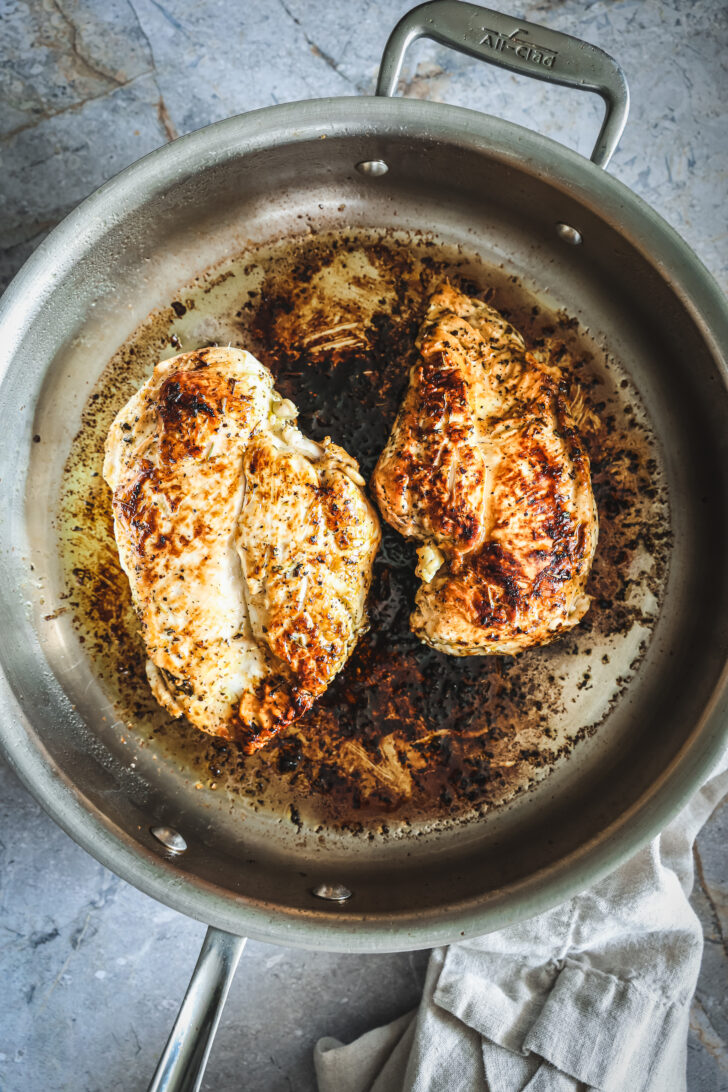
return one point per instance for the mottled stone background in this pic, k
(92, 971)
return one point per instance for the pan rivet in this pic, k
(171, 839)
(568, 234)
(375, 168)
(333, 892)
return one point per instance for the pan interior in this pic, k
(406, 740)
(420, 782)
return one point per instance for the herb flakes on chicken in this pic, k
(248, 547)
(485, 467)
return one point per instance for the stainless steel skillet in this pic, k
(629, 277)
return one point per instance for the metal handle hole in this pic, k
(569, 234)
(170, 838)
(332, 892)
(374, 168)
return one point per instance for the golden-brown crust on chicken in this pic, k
(307, 537)
(217, 501)
(485, 466)
(438, 477)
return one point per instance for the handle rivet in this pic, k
(332, 892)
(375, 168)
(568, 234)
(170, 838)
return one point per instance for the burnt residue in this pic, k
(344, 362)
(403, 732)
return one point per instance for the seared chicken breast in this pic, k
(248, 547)
(485, 467)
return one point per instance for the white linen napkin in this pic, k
(594, 994)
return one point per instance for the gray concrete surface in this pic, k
(92, 970)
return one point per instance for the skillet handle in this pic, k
(182, 1065)
(525, 48)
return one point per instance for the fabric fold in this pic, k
(593, 1027)
(592, 995)
(356, 1067)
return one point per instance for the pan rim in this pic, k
(339, 929)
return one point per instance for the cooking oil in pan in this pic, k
(403, 733)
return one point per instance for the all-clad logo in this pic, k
(515, 42)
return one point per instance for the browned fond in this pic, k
(403, 731)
